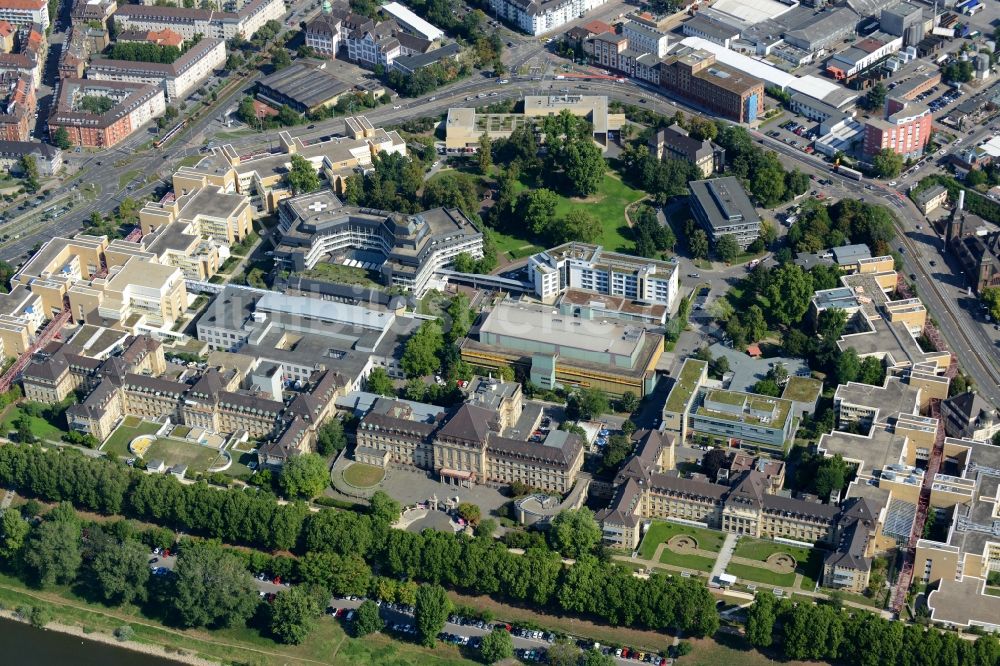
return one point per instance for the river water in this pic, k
(24, 645)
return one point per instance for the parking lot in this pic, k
(530, 645)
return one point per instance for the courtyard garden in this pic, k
(130, 428)
(171, 451)
(662, 532)
(774, 563)
(361, 475)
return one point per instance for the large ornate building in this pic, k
(467, 447)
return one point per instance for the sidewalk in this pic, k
(725, 554)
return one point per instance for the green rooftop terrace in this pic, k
(777, 407)
(685, 386)
(802, 389)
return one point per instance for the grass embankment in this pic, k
(328, 643)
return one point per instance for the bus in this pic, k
(847, 172)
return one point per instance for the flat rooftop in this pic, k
(964, 602)
(724, 202)
(548, 326)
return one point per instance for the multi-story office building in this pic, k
(722, 208)
(374, 45)
(323, 34)
(177, 79)
(133, 105)
(264, 178)
(590, 268)
(138, 292)
(411, 247)
(692, 409)
(208, 212)
(464, 127)
(536, 17)
(563, 349)
(696, 75)
(905, 130)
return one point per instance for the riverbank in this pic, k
(106, 639)
(327, 643)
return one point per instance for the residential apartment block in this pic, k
(244, 22)
(177, 79)
(25, 12)
(537, 17)
(589, 267)
(134, 105)
(17, 100)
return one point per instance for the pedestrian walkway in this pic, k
(725, 554)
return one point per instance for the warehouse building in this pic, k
(696, 75)
(304, 86)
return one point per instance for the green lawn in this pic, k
(190, 160)
(687, 561)
(361, 475)
(128, 177)
(39, 426)
(808, 561)
(343, 275)
(759, 575)
(608, 205)
(117, 444)
(327, 643)
(174, 452)
(661, 532)
(515, 248)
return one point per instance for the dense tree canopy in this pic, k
(304, 476)
(211, 587)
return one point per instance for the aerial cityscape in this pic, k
(572, 332)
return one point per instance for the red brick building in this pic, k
(905, 130)
(134, 104)
(17, 107)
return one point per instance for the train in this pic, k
(847, 172)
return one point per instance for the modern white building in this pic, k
(536, 17)
(412, 23)
(645, 39)
(25, 12)
(591, 268)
